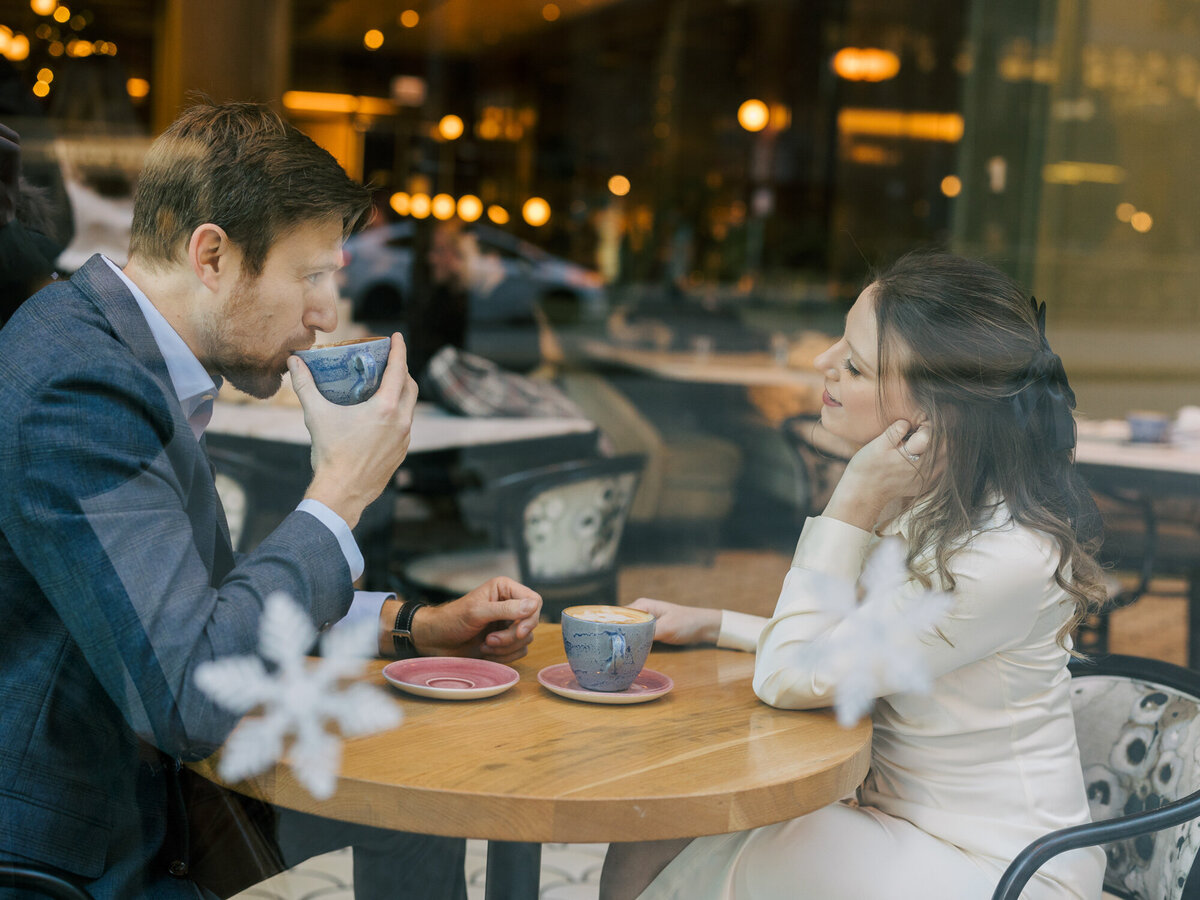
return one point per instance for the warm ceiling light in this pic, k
(753, 115)
(418, 206)
(373, 39)
(451, 127)
(536, 211)
(470, 207)
(442, 206)
(866, 64)
(400, 202)
(619, 185)
(498, 214)
(42, 7)
(410, 18)
(137, 88)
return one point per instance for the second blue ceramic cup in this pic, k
(606, 646)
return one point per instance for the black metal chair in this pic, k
(1138, 723)
(39, 881)
(560, 530)
(817, 472)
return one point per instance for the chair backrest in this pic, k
(38, 881)
(817, 472)
(565, 521)
(1138, 725)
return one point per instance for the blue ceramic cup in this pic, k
(348, 372)
(606, 645)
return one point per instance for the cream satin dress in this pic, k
(961, 778)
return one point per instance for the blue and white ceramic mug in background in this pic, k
(606, 645)
(348, 372)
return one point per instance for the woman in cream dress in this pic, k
(956, 417)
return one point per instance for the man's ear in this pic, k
(211, 255)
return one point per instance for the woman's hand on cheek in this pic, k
(887, 469)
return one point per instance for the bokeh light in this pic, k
(866, 64)
(46, 75)
(470, 207)
(400, 202)
(1125, 212)
(18, 47)
(442, 206)
(41, 89)
(536, 211)
(373, 39)
(619, 185)
(43, 7)
(137, 88)
(753, 115)
(1141, 222)
(951, 185)
(418, 206)
(498, 214)
(410, 18)
(551, 12)
(450, 127)
(62, 15)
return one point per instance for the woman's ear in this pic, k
(211, 255)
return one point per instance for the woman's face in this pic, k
(851, 403)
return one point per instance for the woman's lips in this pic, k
(827, 400)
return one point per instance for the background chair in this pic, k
(1138, 722)
(39, 881)
(817, 472)
(560, 530)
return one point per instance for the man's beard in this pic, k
(253, 375)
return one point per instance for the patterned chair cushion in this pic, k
(1140, 749)
(575, 529)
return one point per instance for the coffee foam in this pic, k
(346, 343)
(608, 615)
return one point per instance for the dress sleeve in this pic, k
(1003, 582)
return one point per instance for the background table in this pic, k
(1112, 464)
(531, 766)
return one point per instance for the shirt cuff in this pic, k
(739, 631)
(832, 547)
(341, 531)
(365, 605)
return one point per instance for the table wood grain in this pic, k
(528, 765)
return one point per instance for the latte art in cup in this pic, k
(608, 615)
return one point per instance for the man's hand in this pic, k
(357, 449)
(495, 621)
(10, 174)
(681, 624)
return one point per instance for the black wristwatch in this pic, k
(402, 631)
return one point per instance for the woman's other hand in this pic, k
(681, 624)
(890, 468)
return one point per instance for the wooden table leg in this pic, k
(513, 870)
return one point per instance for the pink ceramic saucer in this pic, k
(450, 677)
(649, 685)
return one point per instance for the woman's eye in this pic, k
(849, 367)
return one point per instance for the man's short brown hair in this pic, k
(242, 167)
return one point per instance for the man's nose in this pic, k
(321, 313)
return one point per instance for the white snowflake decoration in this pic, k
(878, 642)
(298, 699)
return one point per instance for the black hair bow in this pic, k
(1044, 399)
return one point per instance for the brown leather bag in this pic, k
(231, 841)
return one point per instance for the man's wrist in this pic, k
(404, 646)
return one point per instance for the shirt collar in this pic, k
(193, 386)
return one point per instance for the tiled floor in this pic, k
(569, 872)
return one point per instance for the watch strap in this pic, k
(402, 641)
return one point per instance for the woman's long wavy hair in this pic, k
(966, 339)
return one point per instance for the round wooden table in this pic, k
(531, 766)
